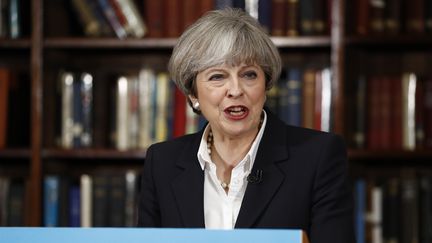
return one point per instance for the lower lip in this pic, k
(236, 117)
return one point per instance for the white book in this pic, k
(409, 83)
(326, 96)
(122, 131)
(135, 24)
(67, 122)
(86, 201)
(133, 111)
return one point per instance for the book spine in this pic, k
(4, 100)
(131, 178)
(397, 113)
(100, 200)
(393, 16)
(122, 118)
(51, 201)
(307, 17)
(292, 24)
(133, 17)
(409, 82)
(294, 102)
(409, 208)
(74, 206)
(133, 111)
(180, 106)
(360, 120)
(87, 109)
(110, 15)
(428, 16)
(415, 16)
(326, 104)
(67, 122)
(86, 207)
(362, 17)
(77, 113)
(154, 18)
(376, 17)
(278, 17)
(173, 21)
(308, 98)
(265, 14)
(251, 7)
(360, 209)
(117, 195)
(147, 83)
(15, 204)
(428, 112)
(162, 107)
(4, 191)
(87, 18)
(15, 19)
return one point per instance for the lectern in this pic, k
(140, 235)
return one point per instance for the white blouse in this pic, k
(220, 208)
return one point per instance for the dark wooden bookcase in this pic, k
(52, 43)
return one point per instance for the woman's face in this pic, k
(231, 98)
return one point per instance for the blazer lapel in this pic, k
(271, 151)
(188, 187)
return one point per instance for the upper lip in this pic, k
(235, 106)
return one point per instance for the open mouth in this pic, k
(236, 112)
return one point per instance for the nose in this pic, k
(234, 88)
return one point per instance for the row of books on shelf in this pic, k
(10, 19)
(103, 199)
(393, 112)
(393, 17)
(394, 208)
(146, 108)
(303, 97)
(170, 18)
(12, 201)
(120, 18)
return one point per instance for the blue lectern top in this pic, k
(140, 235)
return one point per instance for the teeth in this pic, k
(236, 109)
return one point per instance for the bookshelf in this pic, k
(54, 41)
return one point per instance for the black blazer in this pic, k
(304, 185)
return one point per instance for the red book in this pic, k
(190, 12)
(205, 6)
(278, 18)
(415, 16)
(180, 106)
(308, 98)
(173, 18)
(4, 91)
(362, 17)
(154, 18)
(292, 18)
(396, 126)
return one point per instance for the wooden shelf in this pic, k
(168, 43)
(15, 44)
(404, 40)
(399, 155)
(109, 154)
(15, 153)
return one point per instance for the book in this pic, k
(292, 18)
(131, 208)
(86, 138)
(415, 16)
(4, 100)
(392, 23)
(86, 207)
(360, 113)
(428, 16)
(425, 207)
(74, 217)
(391, 209)
(4, 192)
(162, 103)
(3, 19)
(147, 90)
(326, 100)
(409, 207)
(51, 201)
(396, 125)
(180, 106)
(172, 21)
(135, 25)
(251, 7)
(360, 209)
(278, 17)
(116, 200)
(308, 98)
(66, 81)
(153, 15)
(122, 114)
(376, 15)
(362, 17)
(112, 18)
(291, 97)
(409, 83)
(307, 17)
(100, 200)
(15, 19)
(265, 15)
(427, 102)
(15, 203)
(87, 18)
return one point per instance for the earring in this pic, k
(196, 105)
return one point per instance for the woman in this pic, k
(246, 168)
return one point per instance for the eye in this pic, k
(216, 77)
(250, 74)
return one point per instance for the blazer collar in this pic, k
(188, 187)
(272, 150)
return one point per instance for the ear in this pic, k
(193, 99)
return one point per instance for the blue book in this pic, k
(74, 206)
(290, 94)
(265, 14)
(360, 210)
(51, 201)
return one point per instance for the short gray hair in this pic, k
(228, 36)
